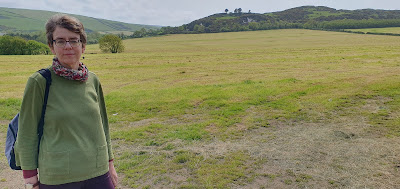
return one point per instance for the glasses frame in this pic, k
(77, 44)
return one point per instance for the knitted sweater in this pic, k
(75, 145)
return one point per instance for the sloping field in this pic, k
(267, 109)
(26, 21)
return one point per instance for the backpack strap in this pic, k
(47, 75)
(13, 126)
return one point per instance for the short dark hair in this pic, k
(64, 21)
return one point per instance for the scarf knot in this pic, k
(79, 75)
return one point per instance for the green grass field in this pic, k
(394, 30)
(265, 109)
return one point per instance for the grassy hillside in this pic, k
(24, 20)
(264, 109)
(320, 13)
(307, 17)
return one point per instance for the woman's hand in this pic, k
(32, 180)
(113, 173)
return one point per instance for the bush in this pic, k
(111, 43)
(18, 46)
(35, 48)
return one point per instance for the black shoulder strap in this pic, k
(47, 75)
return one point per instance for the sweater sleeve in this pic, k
(26, 146)
(104, 117)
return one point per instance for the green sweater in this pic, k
(75, 145)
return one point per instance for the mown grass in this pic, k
(186, 110)
(395, 30)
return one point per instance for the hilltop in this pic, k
(26, 21)
(308, 17)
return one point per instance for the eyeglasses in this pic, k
(63, 42)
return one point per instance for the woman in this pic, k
(75, 149)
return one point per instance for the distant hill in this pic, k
(309, 17)
(312, 13)
(25, 21)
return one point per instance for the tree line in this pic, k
(248, 24)
(40, 36)
(10, 45)
(16, 45)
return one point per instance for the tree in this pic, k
(111, 43)
(137, 34)
(226, 11)
(239, 10)
(121, 35)
(18, 46)
(235, 11)
(199, 28)
(34, 48)
(144, 32)
(93, 37)
(40, 36)
(5, 45)
(152, 32)
(12, 45)
(254, 26)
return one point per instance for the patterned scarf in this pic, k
(80, 75)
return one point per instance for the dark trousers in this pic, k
(103, 182)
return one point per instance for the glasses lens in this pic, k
(74, 43)
(60, 43)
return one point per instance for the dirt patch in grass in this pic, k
(341, 152)
(375, 104)
(340, 155)
(330, 159)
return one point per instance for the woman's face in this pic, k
(68, 55)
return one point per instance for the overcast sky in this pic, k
(179, 12)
